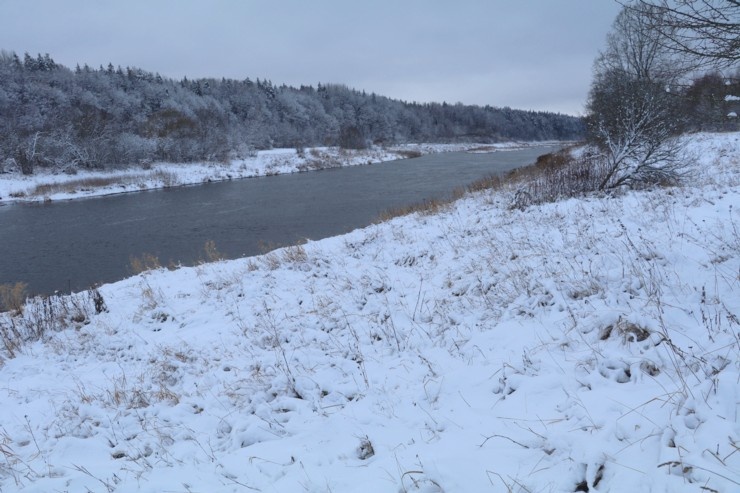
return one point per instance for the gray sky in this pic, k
(527, 54)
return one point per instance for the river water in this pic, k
(63, 246)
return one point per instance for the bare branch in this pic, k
(705, 31)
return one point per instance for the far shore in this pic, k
(47, 186)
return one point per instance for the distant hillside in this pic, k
(52, 116)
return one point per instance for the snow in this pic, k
(585, 345)
(730, 97)
(45, 186)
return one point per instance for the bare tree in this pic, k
(633, 118)
(633, 47)
(705, 31)
(27, 156)
(634, 124)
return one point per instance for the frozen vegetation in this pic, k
(588, 344)
(54, 118)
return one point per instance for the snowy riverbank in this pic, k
(586, 345)
(44, 186)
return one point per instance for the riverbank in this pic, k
(44, 186)
(589, 344)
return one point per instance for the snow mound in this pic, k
(585, 345)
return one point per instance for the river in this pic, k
(70, 245)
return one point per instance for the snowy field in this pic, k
(586, 345)
(45, 186)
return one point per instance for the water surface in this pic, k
(71, 245)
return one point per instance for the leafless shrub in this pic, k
(522, 200)
(555, 176)
(43, 315)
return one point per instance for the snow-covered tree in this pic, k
(633, 115)
(634, 123)
(101, 117)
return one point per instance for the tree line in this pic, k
(669, 66)
(53, 116)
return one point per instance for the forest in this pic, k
(55, 117)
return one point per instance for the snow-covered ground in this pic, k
(586, 345)
(44, 186)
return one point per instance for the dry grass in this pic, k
(427, 207)
(13, 297)
(211, 252)
(271, 261)
(73, 186)
(144, 263)
(295, 254)
(274, 256)
(165, 178)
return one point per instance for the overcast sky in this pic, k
(527, 54)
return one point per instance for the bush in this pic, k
(559, 175)
(553, 176)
